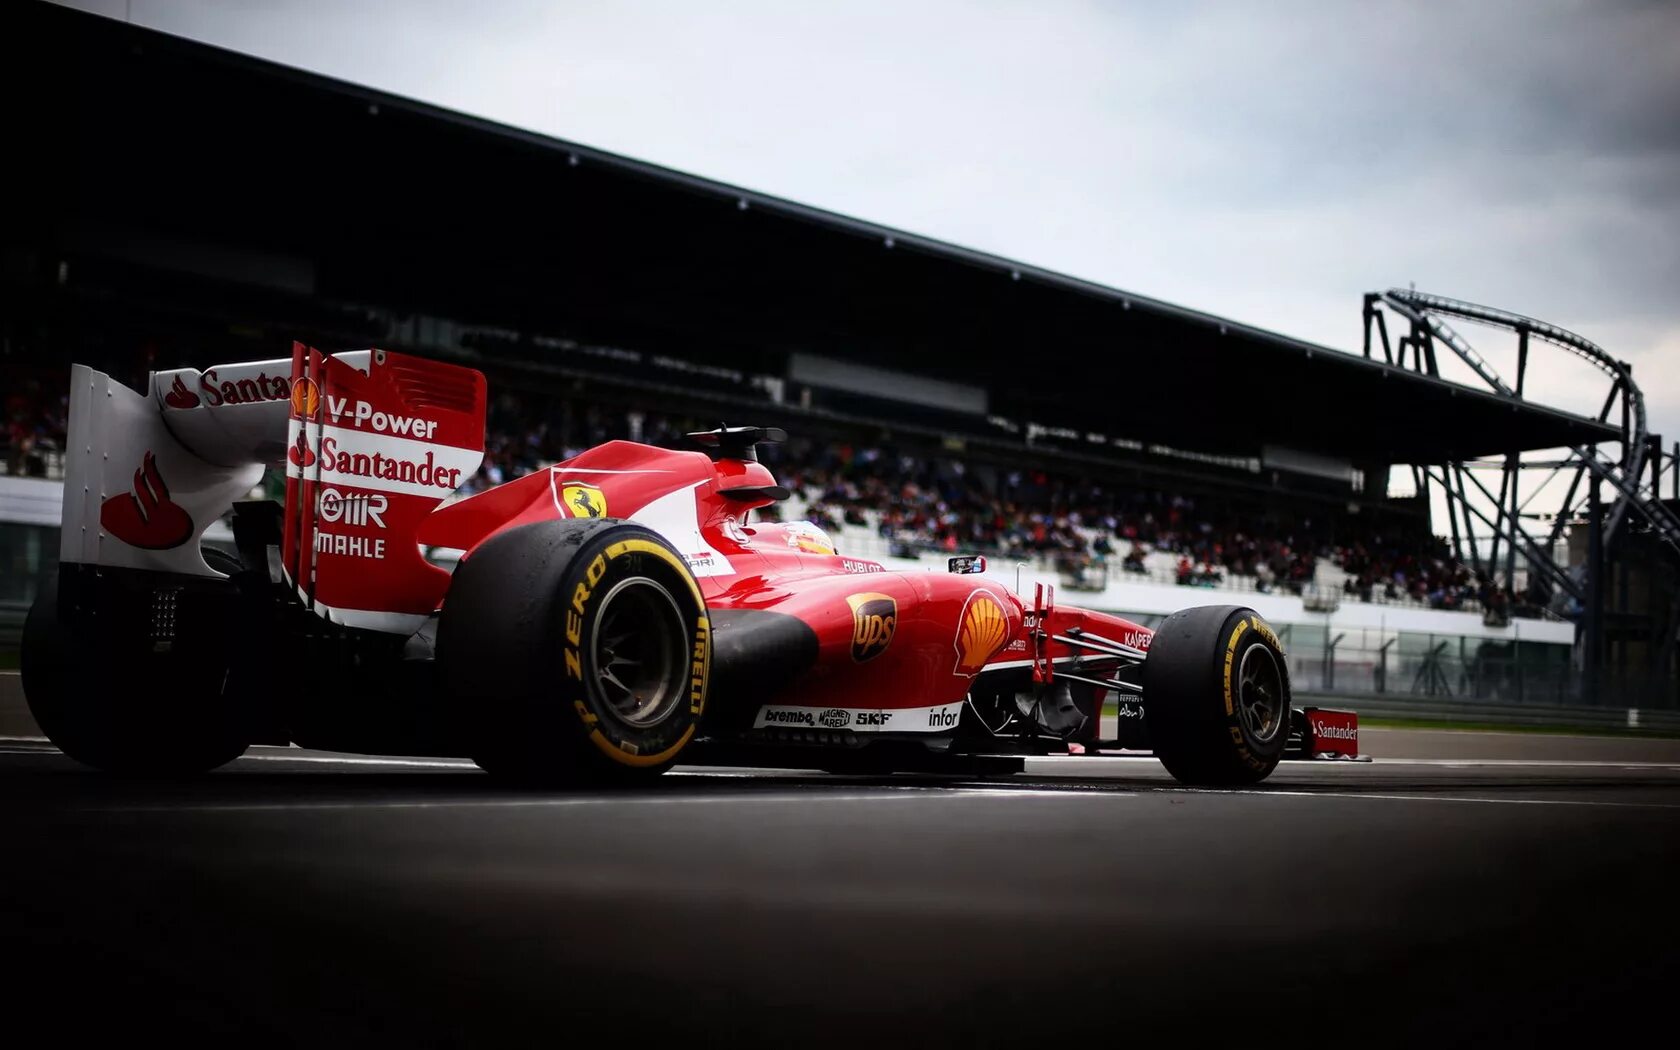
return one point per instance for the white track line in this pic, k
(354, 760)
(359, 760)
(884, 793)
(1059, 761)
(905, 793)
(1563, 763)
(1281, 793)
(1065, 762)
(1580, 734)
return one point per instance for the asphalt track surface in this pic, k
(301, 898)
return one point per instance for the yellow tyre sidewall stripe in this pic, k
(616, 750)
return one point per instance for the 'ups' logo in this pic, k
(874, 618)
(981, 631)
(584, 501)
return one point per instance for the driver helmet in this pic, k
(807, 537)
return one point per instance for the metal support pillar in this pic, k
(1522, 358)
(1469, 531)
(1592, 652)
(1512, 467)
(1617, 648)
(1452, 515)
(1507, 477)
(1654, 453)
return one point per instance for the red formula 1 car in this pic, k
(609, 616)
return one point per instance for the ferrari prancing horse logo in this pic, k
(584, 501)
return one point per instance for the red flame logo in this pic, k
(179, 396)
(300, 454)
(147, 518)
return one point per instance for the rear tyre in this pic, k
(575, 651)
(108, 701)
(1216, 696)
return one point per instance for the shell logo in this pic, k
(306, 398)
(981, 631)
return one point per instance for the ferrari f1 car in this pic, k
(609, 616)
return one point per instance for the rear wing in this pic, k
(374, 442)
(371, 441)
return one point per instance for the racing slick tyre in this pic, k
(1216, 696)
(114, 704)
(575, 651)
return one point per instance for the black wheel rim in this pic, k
(639, 672)
(1260, 698)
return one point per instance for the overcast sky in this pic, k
(1268, 162)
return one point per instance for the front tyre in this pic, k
(1216, 696)
(575, 651)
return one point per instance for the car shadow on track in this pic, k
(38, 778)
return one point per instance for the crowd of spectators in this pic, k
(36, 416)
(943, 502)
(946, 503)
(520, 436)
(1419, 568)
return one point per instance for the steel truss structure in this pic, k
(1620, 504)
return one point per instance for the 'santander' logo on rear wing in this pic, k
(375, 441)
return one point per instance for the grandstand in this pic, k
(193, 206)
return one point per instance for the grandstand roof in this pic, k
(344, 192)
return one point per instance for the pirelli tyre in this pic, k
(107, 697)
(575, 651)
(1216, 696)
